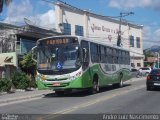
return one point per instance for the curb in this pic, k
(19, 99)
(22, 98)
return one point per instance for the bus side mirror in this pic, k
(84, 52)
(34, 53)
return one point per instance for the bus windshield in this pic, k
(59, 58)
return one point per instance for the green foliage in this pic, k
(27, 64)
(5, 85)
(20, 80)
(148, 55)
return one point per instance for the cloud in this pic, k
(155, 4)
(45, 20)
(157, 34)
(24, 9)
(17, 12)
(150, 37)
(146, 32)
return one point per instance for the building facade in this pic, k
(17, 41)
(74, 21)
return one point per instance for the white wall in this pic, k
(98, 27)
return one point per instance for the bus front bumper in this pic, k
(64, 84)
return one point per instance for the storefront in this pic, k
(15, 42)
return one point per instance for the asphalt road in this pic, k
(131, 99)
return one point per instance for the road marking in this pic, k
(89, 103)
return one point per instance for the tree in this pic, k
(27, 64)
(4, 2)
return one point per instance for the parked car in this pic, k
(153, 79)
(144, 70)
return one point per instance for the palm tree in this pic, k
(4, 2)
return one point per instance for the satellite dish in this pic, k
(28, 22)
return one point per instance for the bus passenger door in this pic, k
(86, 77)
(85, 54)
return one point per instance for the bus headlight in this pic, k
(43, 77)
(79, 73)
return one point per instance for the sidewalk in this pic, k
(22, 95)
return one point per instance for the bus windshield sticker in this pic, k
(59, 65)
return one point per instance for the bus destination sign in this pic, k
(57, 41)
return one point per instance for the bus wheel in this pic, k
(120, 84)
(121, 81)
(95, 87)
(59, 93)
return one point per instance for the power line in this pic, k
(48, 1)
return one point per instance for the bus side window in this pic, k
(102, 54)
(95, 57)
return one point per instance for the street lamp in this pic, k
(158, 58)
(120, 22)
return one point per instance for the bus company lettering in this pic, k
(95, 27)
(103, 29)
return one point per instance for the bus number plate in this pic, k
(56, 84)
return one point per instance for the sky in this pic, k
(42, 13)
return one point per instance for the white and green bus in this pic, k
(67, 62)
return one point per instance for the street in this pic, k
(131, 99)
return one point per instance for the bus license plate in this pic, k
(56, 84)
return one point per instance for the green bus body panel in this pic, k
(106, 78)
(85, 80)
(41, 85)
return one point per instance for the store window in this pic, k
(138, 64)
(138, 42)
(67, 29)
(131, 38)
(79, 30)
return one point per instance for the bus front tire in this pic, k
(95, 88)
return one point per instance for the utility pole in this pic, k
(120, 22)
(157, 59)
